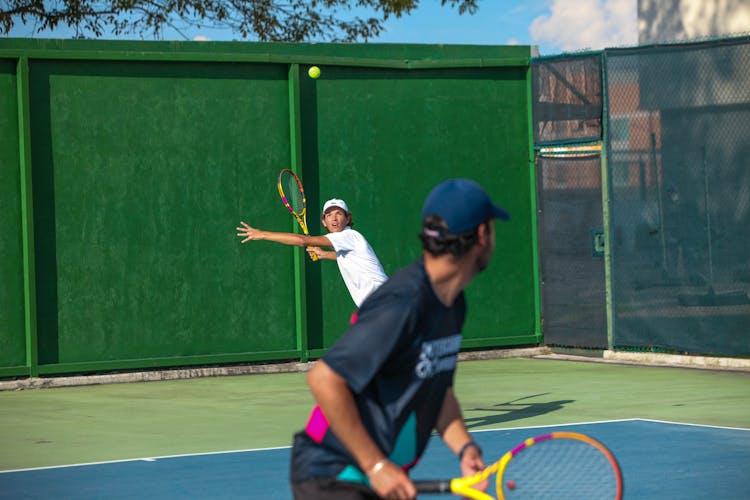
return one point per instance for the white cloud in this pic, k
(575, 25)
(200, 38)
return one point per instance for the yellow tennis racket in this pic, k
(293, 196)
(558, 465)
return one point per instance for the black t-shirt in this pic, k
(399, 360)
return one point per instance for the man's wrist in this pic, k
(470, 444)
(376, 468)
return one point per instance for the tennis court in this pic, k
(129, 162)
(676, 432)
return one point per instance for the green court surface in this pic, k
(73, 425)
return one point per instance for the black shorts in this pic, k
(326, 488)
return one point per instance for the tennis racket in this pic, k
(293, 196)
(556, 465)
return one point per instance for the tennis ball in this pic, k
(314, 72)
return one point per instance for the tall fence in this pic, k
(675, 197)
(126, 167)
(679, 148)
(567, 110)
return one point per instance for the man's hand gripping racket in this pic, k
(557, 465)
(293, 196)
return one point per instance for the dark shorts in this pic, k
(326, 488)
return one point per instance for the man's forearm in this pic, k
(451, 424)
(294, 239)
(337, 403)
(283, 238)
(327, 255)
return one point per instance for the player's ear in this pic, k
(484, 232)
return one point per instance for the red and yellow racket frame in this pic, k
(301, 217)
(463, 486)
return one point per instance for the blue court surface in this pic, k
(659, 460)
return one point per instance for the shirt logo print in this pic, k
(438, 356)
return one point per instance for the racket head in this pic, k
(559, 465)
(293, 196)
(292, 193)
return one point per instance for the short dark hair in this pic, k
(349, 214)
(437, 240)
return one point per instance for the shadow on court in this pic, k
(513, 410)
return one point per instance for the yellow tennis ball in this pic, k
(314, 72)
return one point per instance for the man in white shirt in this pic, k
(358, 264)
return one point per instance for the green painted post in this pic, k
(295, 141)
(606, 202)
(27, 217)
(533, 210)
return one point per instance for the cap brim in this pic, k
(500, 213)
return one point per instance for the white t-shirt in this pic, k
(357, 262)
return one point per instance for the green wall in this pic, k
(144, 157)
(385, 137)
(12, 332)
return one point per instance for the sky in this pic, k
(554, 26)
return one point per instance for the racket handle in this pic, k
(433, 486)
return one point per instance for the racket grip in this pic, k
(433, 486)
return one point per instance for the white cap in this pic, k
(335, 202)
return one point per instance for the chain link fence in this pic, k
(677, 200)
(572, 253)
(567, 99)
(679, 161)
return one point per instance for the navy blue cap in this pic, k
(462, 204)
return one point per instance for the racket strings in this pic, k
(293, 193)
(560, 468)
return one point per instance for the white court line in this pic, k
(558, 425)
(145, 459)
(694, 425)
(153, 459)
(668, 422)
